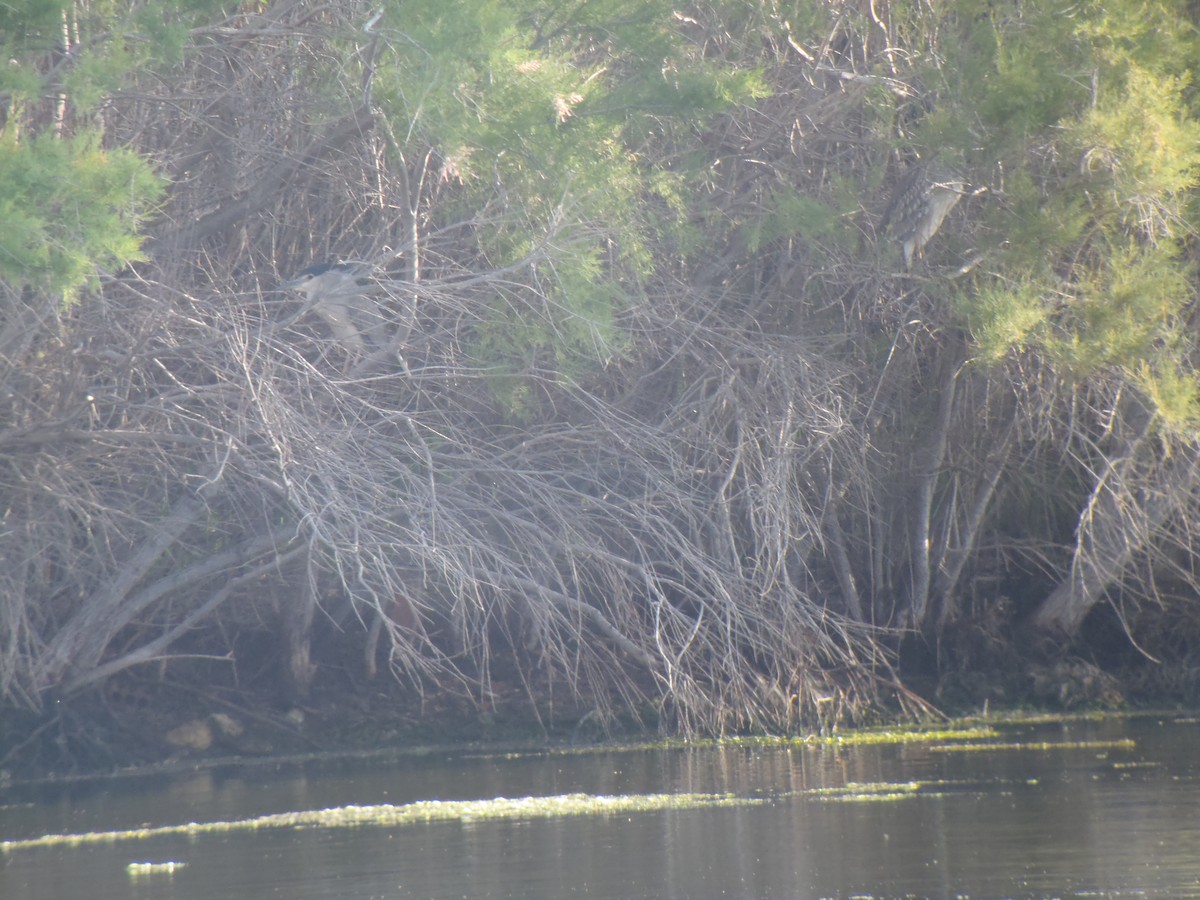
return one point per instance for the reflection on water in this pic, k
(1055, 822)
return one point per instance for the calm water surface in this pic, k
(1059, 821)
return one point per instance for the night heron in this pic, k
(339, 294)
(329, 277)
(920, 204)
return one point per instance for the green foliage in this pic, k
(795, 215)
(1172, 391)
(162, 31)
(1002, 318)
(96, 76)
(1140, 139)
(549, 115)
(520, 337)
(1090, 118)
(31, 25)
(109, 40)
(1160, 35)
(1123, 310)
(68, 207)
(18, 83)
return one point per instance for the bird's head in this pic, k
(321, 277)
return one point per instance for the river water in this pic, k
(1107, 808)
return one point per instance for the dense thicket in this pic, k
(652, 419)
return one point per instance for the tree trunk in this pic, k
(954, 559)
(1128, 504)
(929, 466)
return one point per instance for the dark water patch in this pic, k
(1080, 808)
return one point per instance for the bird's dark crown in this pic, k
(321, 268)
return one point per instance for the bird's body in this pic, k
(328, 278)
(339, 295)
(919, 205)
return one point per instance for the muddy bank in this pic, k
(142, 725)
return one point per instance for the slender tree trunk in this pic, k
(298, 611)
(1128, 504)
(928, 467)
(841, 564)
(80, 643)
(955, 558)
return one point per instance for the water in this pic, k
(1086, 821)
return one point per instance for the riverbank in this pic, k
(142, 726)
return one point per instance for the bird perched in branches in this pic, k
(328, 278)
(339, 295)
(920, 204)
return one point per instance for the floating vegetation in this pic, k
(1124, 744)
(388, 815)
(1028, 717)
(872, 792)
(915, 735)
(867, 738)
(140, 869)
